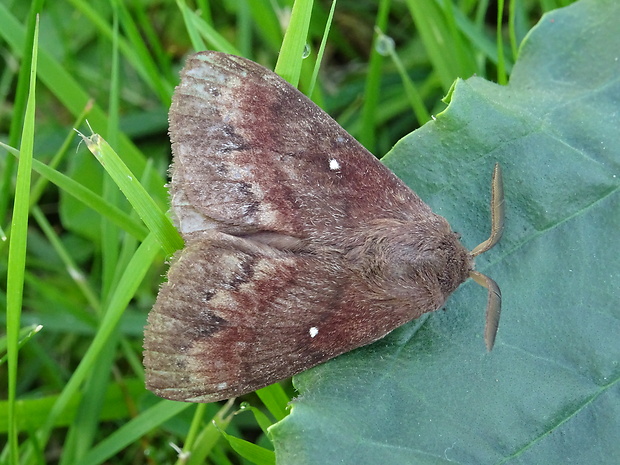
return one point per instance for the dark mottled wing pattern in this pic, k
(277, 204)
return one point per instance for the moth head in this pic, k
(434, 260)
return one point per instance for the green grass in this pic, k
(86, 263)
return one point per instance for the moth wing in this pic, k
(236, 316)
(253, 154)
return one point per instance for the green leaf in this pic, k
(548, 393)
(147, 209)
(249, 451)
(291, 52)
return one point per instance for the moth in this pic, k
(299, 244)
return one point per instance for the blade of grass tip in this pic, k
(250, 451)
(295, 39)
(145, 206)
(17, 248)
(25, 334)
(368, 130)
(261, 418)
(275, 399)
(87, 197)
(42, 182)
(319, 56)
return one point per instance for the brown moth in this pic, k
(299, 244)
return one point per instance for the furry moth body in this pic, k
(300, 245)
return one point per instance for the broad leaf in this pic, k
(429, 392)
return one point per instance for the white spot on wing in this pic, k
(222, 385)
(313, 331)
(334, 164)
